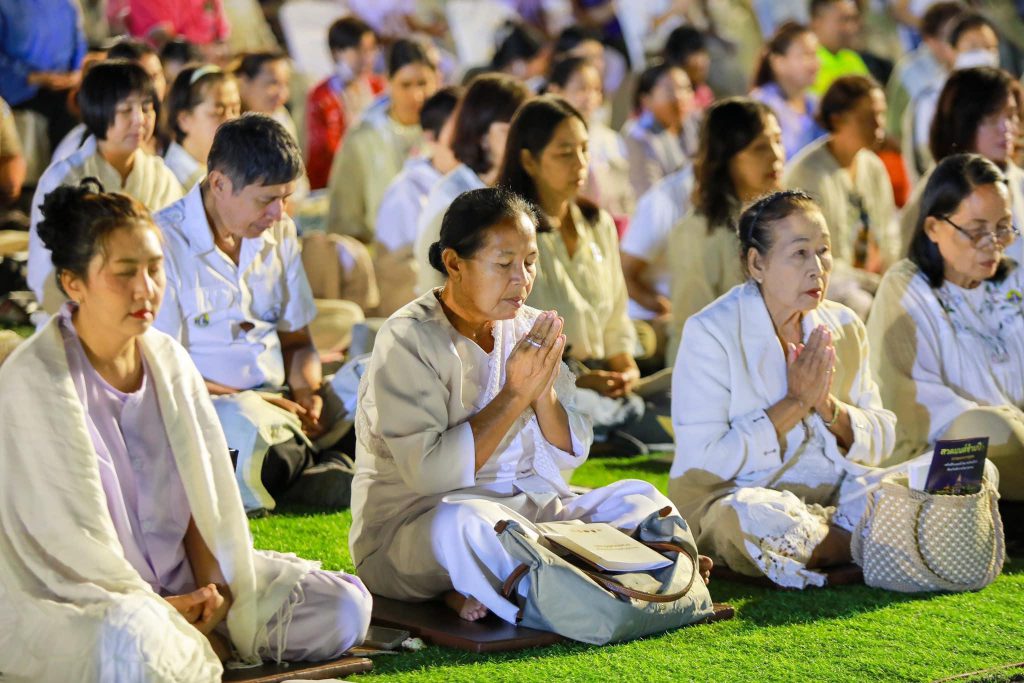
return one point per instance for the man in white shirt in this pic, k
(238, 299)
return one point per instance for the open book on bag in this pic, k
(602, 546)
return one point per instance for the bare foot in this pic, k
(705, 565)
(468, 608)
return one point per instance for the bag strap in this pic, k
(917, 536)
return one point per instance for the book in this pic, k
(957, 467)
(603, 545)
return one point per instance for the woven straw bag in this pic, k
(912, 541)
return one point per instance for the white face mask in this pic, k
(973, 58)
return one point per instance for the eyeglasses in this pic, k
(1001, 236)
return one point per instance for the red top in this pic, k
(198, 21)
(326, 123)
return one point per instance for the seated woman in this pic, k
(466, 415)
(851, 187)
(658, 139)
(478, 141)
(978, 112)
(951, 321)
(739, 159)
(373, 152)
(788, 68)
(578, 269)
(776, 415)
(202, 98)
(118, 104)
(142, 567)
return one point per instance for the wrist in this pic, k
(799, 403)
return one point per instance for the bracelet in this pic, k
(835, 415)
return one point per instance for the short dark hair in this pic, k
(682, 43)
(438, 109)
(250, 64)
(843, 95)
(466, 222)
(190, 87)
(730, 125)
(952, 181)
(106, 85)
(130, 48)
(649, 78)
(968, 96)
(564, 69)
(346, 33)
(521, 42)
(532, 129)
(938, 16)
(406, 51)
(490, 98)
(968, 21)
(816, 7)
(179, 50)
(78, 219)
(755, 224)
(778, 45)
(255, 149)
(573, 36)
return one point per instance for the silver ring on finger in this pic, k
(534, 342)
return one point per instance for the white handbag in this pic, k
(912, 541)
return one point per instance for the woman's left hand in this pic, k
(556, 338)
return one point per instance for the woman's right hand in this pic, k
(530, 366)
(201, 607)
(809, 368)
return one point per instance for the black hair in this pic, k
(250, 64)
(755, 225)
(565, 68)
(967, 98)
(438, 109)
(842, 96)
(520, 42)
(778, 45)
(968, 21)
(938, 16)
(132, 49)
(255, 149)
(406, 51)
(188, 92)
(952, 181)
(532, 129)
(649, 79)
(106, 85)
(571, 37)
(347, 33)
(466, 222)
(730, 125)
(816, 7)
(682, 43)
(181, 51)
(490, 98)
(78, 219)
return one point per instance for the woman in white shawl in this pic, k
(118, 101)
(776, 415)
(466, 417)
(951, 321)
(125, 553)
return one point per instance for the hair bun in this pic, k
(61, 208)
(434, 256)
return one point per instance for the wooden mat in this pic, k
(438, 624)
(274, 673)
(843, 575)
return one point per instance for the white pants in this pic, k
(454, 546)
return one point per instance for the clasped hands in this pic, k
(205, 608)
(533, 365)
(305, 404)
(809, 372)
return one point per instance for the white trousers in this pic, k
(454, 546)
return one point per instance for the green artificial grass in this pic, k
(850, 633)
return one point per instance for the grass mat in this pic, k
(851, 633)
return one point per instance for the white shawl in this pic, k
(68, 596)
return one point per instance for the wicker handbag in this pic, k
(592, 606)
(912, 541)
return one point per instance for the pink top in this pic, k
(145, 496)
(197, 21)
